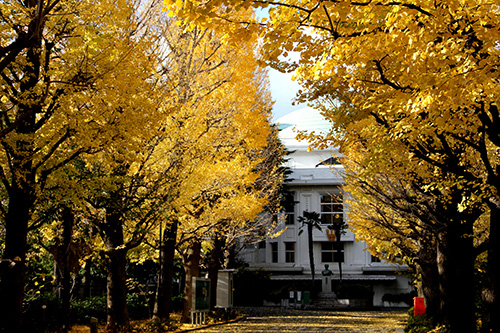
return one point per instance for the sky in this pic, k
(283, 91)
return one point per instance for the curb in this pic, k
(212, 325)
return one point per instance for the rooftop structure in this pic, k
(316, 186)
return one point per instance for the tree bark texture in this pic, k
(13, 263)
(215, 264)
(163, 297)
(192, 268)
(311, 251)
(429, 285)
(456, 259)
(491, 292)
(117, 314)
(63, 267)
(87, 278)
(116, 261)
(22, 188)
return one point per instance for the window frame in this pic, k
(289, 208)
(331, 212)
(274, 252)
(332, 252)
(290, 253)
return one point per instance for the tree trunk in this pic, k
(116, 263)
(311, 250)
(192, 268)
(456, 269)
(116, 287)
(12, 267)
(63, 269)
(338, 249)
(215, 264)
(22, 189)
(87, 278)
(429, 285)
(490, 293)
(230, 258)
(163, 297)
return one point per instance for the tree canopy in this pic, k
(115, 118)
(411, 89)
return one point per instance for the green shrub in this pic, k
(177, 303)
(138, 306)
(83, 309)
(354, 291)
(254, 295)
(422, 324)
(41, 313)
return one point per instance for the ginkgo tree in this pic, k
(426, 71)
(225, 240)
(87, 99)
(66, 238)
(211, 144)
(70, 71)
(226, 129)
(395, 208)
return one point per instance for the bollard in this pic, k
(93, 325)
(44, 314)
(418, 306)
(307, 297)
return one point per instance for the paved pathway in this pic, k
(282, 320)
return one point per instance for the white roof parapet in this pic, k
(316, 176)
(349, 277)
(274, 268)
(306, 119)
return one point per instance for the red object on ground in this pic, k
(418, 306)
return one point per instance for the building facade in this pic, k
(315, 186)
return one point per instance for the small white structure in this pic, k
(315, 185)
(225, 289)
(200, 300)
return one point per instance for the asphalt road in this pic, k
(291, 320)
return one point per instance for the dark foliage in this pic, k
(250, 287)
(422, 324)
(403, 297)
(41, 313)
(354, 291)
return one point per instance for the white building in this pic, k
(316, 187)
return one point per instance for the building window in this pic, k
(289, 251)
(332, 209)
(375, 259)
(274, 252)
(332, 252)
(289, 208)
(327, 251)
(262, 244)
